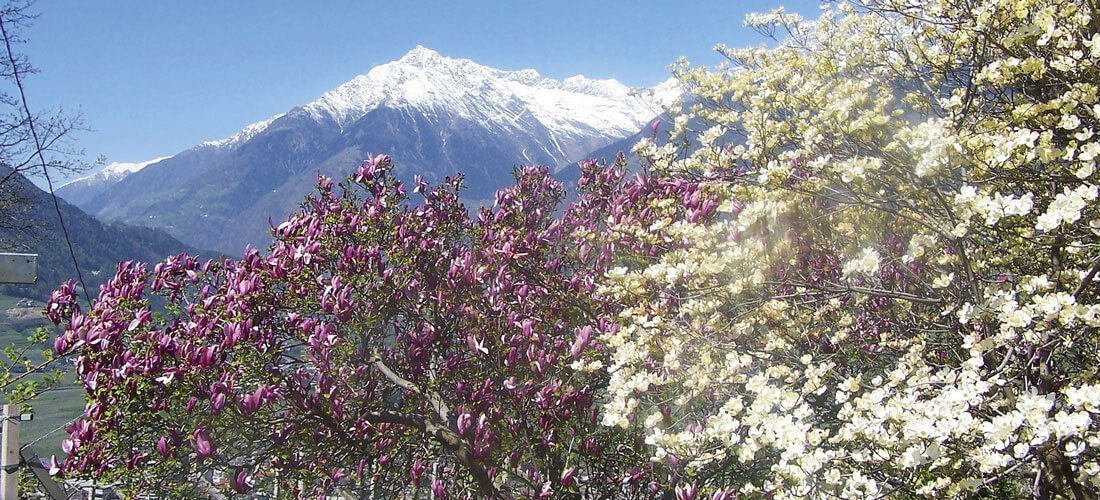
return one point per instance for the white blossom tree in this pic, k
(893, 290)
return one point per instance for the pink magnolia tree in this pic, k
(380, 347)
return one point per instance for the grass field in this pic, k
(54, 408)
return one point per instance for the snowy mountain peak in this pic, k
(526, 75)
(420, 56)
(605, 88)
(437, 85)
(437, 115)
(118, 168)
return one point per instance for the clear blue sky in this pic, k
(153, 78)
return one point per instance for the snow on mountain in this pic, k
(431, 83)
(244, 135)
(85, 189)
(667, 93)
(113, 172)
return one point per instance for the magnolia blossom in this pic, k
(378, 341)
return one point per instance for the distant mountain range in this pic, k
(434, 115)
(98, 246)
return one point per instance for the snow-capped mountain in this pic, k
(423, 80)
(434, 115)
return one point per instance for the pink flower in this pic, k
(217, 402)
(250, 403)
(584, 335)
(465, 423)
(60, 345)
(416, 470)
(475, 345)
(438, 489)
(55, 466)
(568, 477)
(686, 492)
(204, 446)
(61, 300)
(240, 480)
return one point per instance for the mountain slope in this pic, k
(98, 246)
(435, 115)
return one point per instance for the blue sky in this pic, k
(153, 78)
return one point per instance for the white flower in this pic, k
(866, 263)
(1066, 207)
(918, 245)
(1070, 424)
(943, 280)
(1015, 318)
(1093, 44)
(1087, 397)
(966, 194)
(912, 457)
(966, 313)
(167, 379)
(1070, 122)
(1000, 429)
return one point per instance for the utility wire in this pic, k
(38, 151)
(46, 435)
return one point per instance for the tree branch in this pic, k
(436, 425)
(878, 292)
(1087, 279)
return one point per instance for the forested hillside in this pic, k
(32, 227)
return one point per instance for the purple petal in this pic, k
(204, 446)
(239, 481)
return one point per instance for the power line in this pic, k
(41, 158)
(44, 436)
